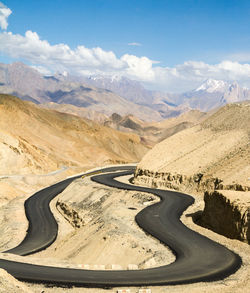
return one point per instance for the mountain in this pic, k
(34, 140)
(115, 94)
(130, 89)
(27, 83)
(78, 111)
(134, 91)
(152, 133)
(209, 95)
(214, 153)
(213, 94)
(212, 85)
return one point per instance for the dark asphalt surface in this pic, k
(197, 257)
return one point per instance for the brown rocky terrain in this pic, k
(91, 215)
(78, 111)
(213, 155)
(150, 132)
(230, 207)
(10, 284)
(154, 132)
(36, 141)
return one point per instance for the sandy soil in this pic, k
(108, 234)
(218, 148)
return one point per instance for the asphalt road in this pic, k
(197, 257)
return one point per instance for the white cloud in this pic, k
(42, 69)
(58, 57)
(48, 58)
(5, 12)
(84, 61)
(191, 74)
(140, 68)
(135, 44)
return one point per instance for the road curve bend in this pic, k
(197, 257)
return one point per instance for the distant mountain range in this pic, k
(210, 94)
(114, 94)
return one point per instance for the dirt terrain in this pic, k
(154, 132)
(212, 154)
(74, 245)
(150, 132)
(96, 220)
(37, 141)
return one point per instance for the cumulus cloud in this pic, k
(5, 12)
(135, 44)
(48, 59)
(191, 74)
(60, 56)
(84, 61)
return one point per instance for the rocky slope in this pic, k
(152, 133)
(78, 111)
(213, 155)
(27, 83)
(35, 140)
(228, 213)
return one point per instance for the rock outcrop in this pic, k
(197, 183)
(227, 213)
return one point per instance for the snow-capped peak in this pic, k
(213, 85)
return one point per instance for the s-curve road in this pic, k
(197, 257)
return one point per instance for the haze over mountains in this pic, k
(114, 94)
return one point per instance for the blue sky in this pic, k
(191, 40)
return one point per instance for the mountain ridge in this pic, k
(115, 94)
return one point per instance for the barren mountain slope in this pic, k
(38, 140)
(78, 111)
(218, 147)
(27, 83)
(152, 133)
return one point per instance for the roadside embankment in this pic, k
(210, 159)
(227, 213)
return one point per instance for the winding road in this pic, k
(197, 257)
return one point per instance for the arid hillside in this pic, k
(214, 153)
(36, 140)
(154, 132)
(150, 132)
(211, 158)
(78, 111)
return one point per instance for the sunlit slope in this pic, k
(217, 147)
(34, 139)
